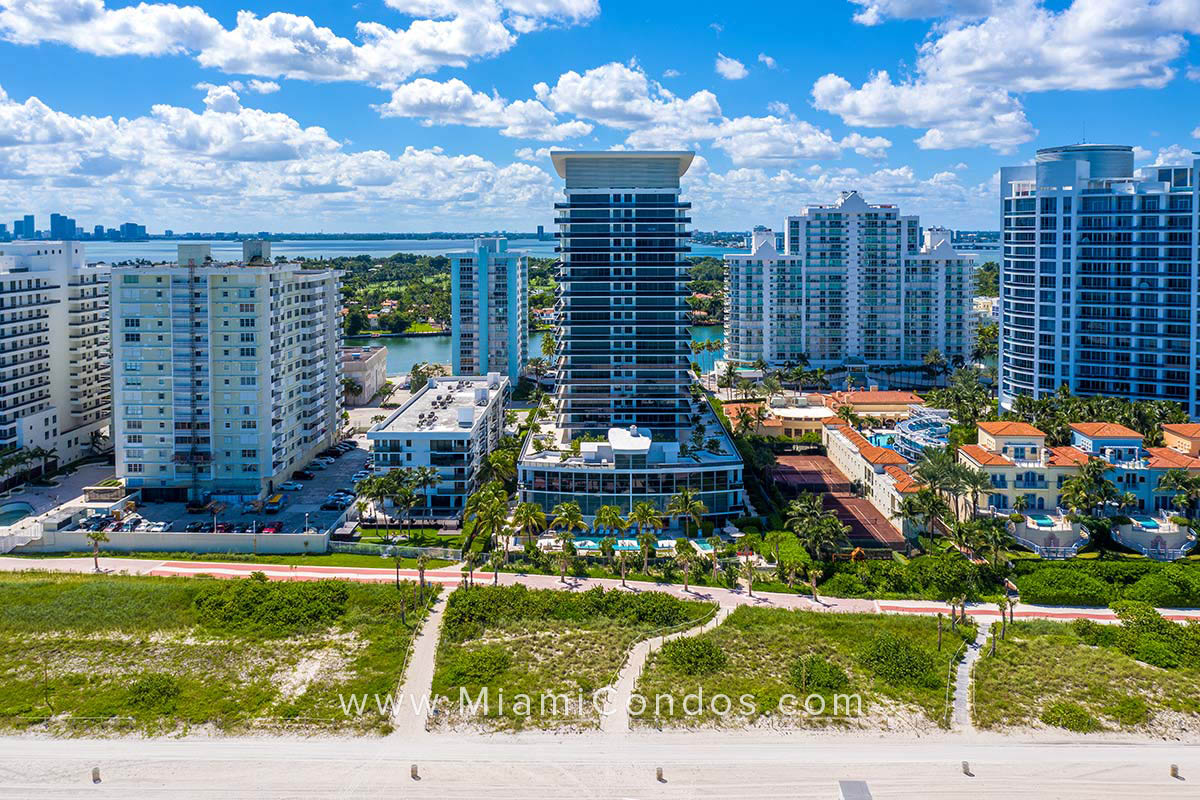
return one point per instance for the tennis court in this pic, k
(868, 526)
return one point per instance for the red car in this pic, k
(274, 527)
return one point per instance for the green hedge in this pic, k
(1099, 583)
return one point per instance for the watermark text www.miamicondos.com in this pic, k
(694, 704)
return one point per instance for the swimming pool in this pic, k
(1042, 521)
(593, 543)
(882, 439)
(1149, 523)
(13, 512)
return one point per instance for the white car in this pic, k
(291, 486)
(361, 475)
(157, 527)
(316, 465)
(326, 460)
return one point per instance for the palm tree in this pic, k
(1021, 503)
(684, 557)
(748, 573)
(913, 511)
(566, 540)
(976, 482)
(623, 565)
(714, 542)
(470, 561)
(425, 480)
(846, 414)
(422, 563)
(608, 518)
(814, 575)
(1186, 489)
(496, 562)
(643, 516)
(608, 546)
(529, 518)
(687, 505)
(568, 517)
(96, 538)
(825, 533)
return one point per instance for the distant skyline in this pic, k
(423, 115)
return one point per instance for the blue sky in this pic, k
(437, 114)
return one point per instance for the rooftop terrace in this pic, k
(451, 404)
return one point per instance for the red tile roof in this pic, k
(1106, 430)
(905, 483)
(1166, 458)
(1189, 430)
(1067, 457)
(872, 453)
(984, 457)
(873, 396)
(1009, 429)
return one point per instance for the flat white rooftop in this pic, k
(446, 405)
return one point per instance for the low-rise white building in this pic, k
(55, 382)
(367, 367)
(451, 424)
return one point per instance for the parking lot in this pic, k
(298, 504)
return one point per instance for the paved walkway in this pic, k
(618, 701)
(964, 679)
(448, 576)
(410, 715)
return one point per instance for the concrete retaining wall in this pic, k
(141, 541)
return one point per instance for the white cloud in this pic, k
(955, 116)
(282, 44)
(1091, 44)
(1196, 133)
(453, 102)
(743, 196)
(780, 108)
(763, 58)
(530, 154)
(875, 12)
(262, 87)
(1193, 73)
(1174, 156)
(622, 96)
(1141, 154)
(730, 68)
(716, 27)
(671, 73)
(232, 166)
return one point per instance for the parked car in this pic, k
(157, 527)
(196, 527)
(315, 465)
(326, 460)
(361, 475)
(291, 486)
(224, 527)
(346, 447)
(273, 527)
(303, 475)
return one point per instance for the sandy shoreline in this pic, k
(750, 764)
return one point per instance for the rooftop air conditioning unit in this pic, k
(466, 416)
(493, 380)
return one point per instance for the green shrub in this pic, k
(1094, 634)
(1062, 587)
(815, 673)
(154, 693)
(1070, 716)
(277, 608)
(1170, 587)
(845, 584)
(694, 656)
(1129, 710)
(478, 667)
(900, 662)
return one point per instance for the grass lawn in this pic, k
(515, 641)
(314, 560)
(758, 651)
(1041, 664)
(117, 655)
(413, 537)
(422, 327)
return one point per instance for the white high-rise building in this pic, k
(489, 308)
(856, 285)
(1100, 282)
(227, 375)
(55, 386)
(764, 304)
